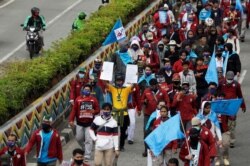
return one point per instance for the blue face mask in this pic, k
(106, 114)
(168, 68)
(212, 91)
(81, 75)
(86, 92)
(11, 144)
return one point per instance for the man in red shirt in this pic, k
(76, 85)
(84, 110)
(149, 100)
(12, 152)
(185, 102)
(48, 144)
(232, 90)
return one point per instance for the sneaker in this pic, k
(144, 154)
(130, 142)
(217, 163)
(226, 162)
(231, 145)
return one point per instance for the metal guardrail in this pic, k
(56, 100)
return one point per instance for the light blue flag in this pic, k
(238, 6)
(117, 33)
(152, 117)
(226, 107)
(164, 134)
(211, 74)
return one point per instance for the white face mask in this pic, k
(229, 81)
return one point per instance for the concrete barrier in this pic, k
(56, 101)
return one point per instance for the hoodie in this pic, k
(160, 53)
(215, 125)
(135, 53)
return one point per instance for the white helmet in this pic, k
(209, 22)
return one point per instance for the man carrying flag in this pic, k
(232, 90)
(158, 140)
(171, 149)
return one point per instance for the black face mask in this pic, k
(46, 127)
(78, 162)
(219, 55)
(161, 48)
(194, 142)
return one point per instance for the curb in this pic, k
(66, 135)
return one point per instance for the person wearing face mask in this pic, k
(233, 15)
(77, 159)
(48, 143)
(202, 46)
(212, 36)
(144, 80)
(120, 97)
(121, 57)
(149, 101)
(163, 19)
(210, 95)
(184, 14)
(177, 67)
(161, 52)
(167, 71)
(199, 73)
(171, 149)
(185, 102)
(187, 75)
(152, 59)
(195, 151)
(205, 135)
(232, 60)
(172, 53)
(104, 132)
(135, 50)
(12, 152)
(232, 90)
(218, 58)
(96, 89)
(188, 25)
(96, 70)
(83, 111)
(233, 39)
(217, 13)
(143, 32)
(76, 85)
(209, 119)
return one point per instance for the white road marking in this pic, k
(7, 3)
(242, 76)
(48, 24)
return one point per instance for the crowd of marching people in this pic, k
(173, 53)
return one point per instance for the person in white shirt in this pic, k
(106, 137)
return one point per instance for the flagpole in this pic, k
(185, 135)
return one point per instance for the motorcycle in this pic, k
(32, 40)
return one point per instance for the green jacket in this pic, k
(78, 24)
(38, 22)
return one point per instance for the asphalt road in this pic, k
(59, 15)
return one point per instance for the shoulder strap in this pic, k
(99, 128)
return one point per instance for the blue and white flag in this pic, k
(117, 33)
(211, 74)
(168, 131)
(226, 107)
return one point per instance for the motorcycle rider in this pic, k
(79, 22)
(37, 21)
